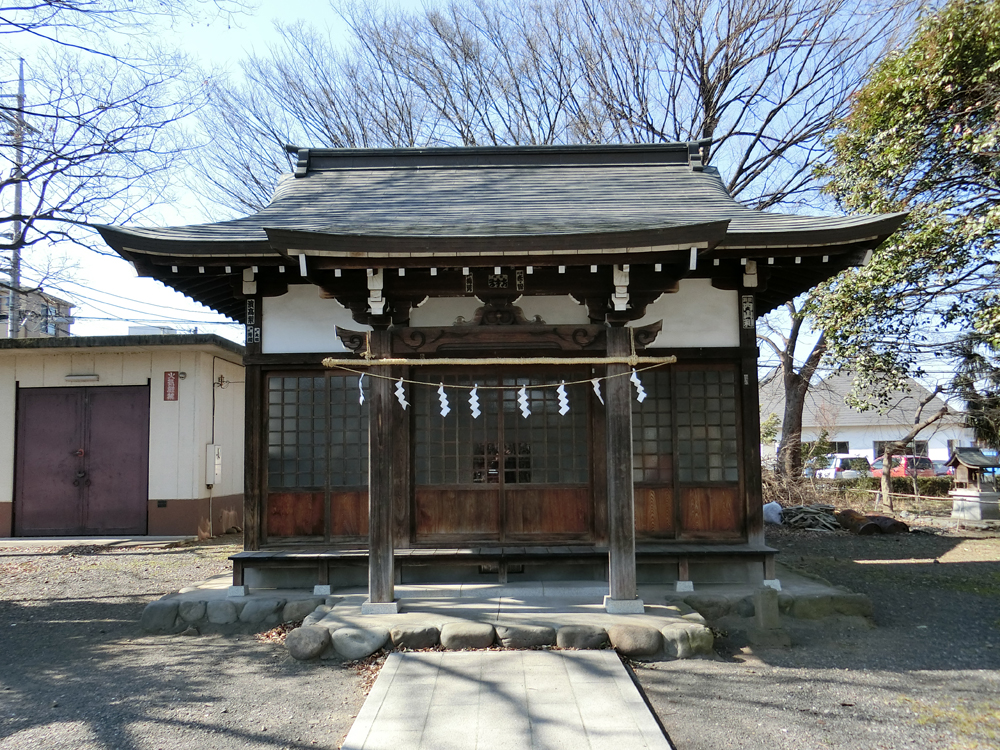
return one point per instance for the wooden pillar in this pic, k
(381, 591)
(253, 457)
(401, 473)
(623, 595)
(750, 420)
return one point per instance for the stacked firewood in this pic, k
(818, 516)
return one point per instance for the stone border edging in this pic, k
(680, 640)
(324, 635)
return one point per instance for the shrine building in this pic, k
(513, 362)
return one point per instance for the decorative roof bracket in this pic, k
(619, 300)
(376, 282)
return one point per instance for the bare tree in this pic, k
(764, 80)
(897, 447)
(89, 135)
(84, 25)
(798, 363)
(95, 148)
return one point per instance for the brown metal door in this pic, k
(50, 453)
(117, 460)
(82, 461)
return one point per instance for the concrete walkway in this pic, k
(22, 542)
(494, 700)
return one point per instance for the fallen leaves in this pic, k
(278, 634)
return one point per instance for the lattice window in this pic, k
(652, 443)
(456, 449)
(545, 448)
(706, 426)
(348, 433)
(317, 433)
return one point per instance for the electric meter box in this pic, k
(213, 464)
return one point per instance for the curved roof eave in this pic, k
(822, 233)
(386, 245)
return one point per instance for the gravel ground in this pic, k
(928, 676)
(75, 672)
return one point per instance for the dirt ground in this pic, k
(76, 672)
(926, 676)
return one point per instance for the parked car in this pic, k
(942, 469)
(907, 466)
(839, 466)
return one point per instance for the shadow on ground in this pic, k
(77, 673)
(927, 676)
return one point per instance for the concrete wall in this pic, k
(180, 501)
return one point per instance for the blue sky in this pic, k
(109, 294)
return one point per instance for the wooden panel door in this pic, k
(711, 512)
(502, 477)
(461, 515)
(82, 461)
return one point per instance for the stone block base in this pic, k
(772, 583)
(238, 591)
(379, 608)
(769, 638)
(321, 590)
(684, 586)
(623, 606)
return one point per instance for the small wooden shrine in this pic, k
(490, 318)
(976, 494)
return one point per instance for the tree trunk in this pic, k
(790, 448)
(886, 483)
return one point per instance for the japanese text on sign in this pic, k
(170, 385)
(746, 311)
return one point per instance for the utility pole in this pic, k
(14, 298)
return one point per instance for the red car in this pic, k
(907, 466)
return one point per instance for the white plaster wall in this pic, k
(178, 430)
(172, 434)
(554, 310)
(443, 311)
(696, 315)
(300, 321)
(8, 404)
(229, 427)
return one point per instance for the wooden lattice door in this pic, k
(502, 477)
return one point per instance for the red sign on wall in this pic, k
(170, 385)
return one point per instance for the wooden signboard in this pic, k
(170, 380)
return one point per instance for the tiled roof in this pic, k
(449, 192)
(825, 405)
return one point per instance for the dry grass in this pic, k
(798, 491)
(803, 491)
(976, 724)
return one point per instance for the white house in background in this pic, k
(864, 433)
